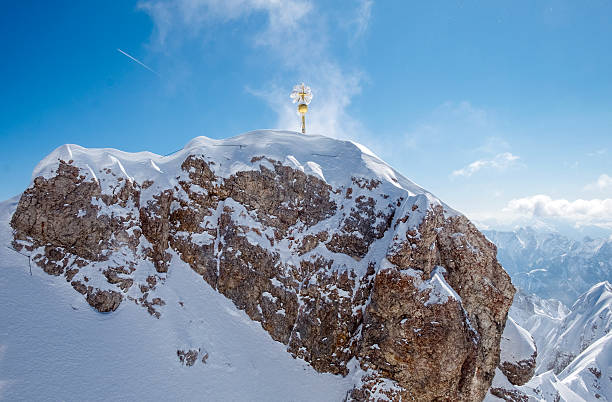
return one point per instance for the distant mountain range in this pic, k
(552, 265)
(574, 348)
(564, 300)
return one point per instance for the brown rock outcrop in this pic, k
(518, 373)
(362, 269)
(509, 395)
(104, 300)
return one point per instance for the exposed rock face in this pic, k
(510, 395)
(190, 357)
(104, 300)
(336, 267)
(518, 373)
(409, 347)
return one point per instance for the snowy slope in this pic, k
(543, 388)
(590, 374)
(128, 355)
(590, 319)
(552, 265)
(542, 318)
(517, 345)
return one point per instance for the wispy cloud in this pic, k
(177, 17)
(139, 62)
(598, 152)
(500, 162)
(363, 16)
(493, 145)
(304, 57)
(457, 124)
(597, 212)
(333, 91)
(603, 182)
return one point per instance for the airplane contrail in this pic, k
(140, 62)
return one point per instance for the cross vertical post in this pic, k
(302, 95)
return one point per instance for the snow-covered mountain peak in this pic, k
(334, 161)
(600, 295)
(337, 255)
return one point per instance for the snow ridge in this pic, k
(313, 154)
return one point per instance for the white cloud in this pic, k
(597, 212)
(304, 57)
(362, 20)
(328, 113)
(175, 16)
(603, 182)
(499, 162)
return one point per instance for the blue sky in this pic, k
(502, 109)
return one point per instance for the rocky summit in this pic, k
(353, 267)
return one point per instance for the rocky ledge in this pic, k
(336, 254)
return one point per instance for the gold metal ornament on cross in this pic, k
(302, 95)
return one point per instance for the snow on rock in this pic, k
(518, 353)
(440, 289)
(338, 256)
(321, 154)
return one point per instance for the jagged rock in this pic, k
(406, 342)
(509, 395)
(188, 357)
(336, 266)
(520, 372)
(104, 300)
